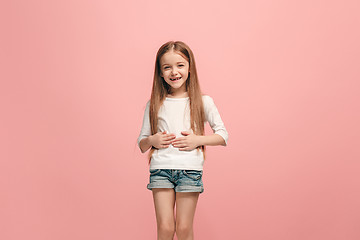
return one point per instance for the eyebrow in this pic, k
(169, 64)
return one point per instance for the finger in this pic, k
(179, 142)
(180, 139)
(184, 149)
(180, 145)
(185, 133)
(164, 146)
(166, 142)
(175, 143)
(169, 137)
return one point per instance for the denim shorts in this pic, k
(180, 180)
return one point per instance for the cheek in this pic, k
(186, 74)
(165, 74)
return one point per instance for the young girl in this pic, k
(173, 127)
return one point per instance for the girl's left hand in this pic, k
(187, 143)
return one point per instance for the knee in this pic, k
(183, 229)
(166, 229)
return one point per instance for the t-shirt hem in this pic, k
(175, 167)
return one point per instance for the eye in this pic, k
(166, 67)
(181, 65)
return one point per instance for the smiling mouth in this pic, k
(175, 79)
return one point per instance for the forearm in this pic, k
(145, 144)
(212, 140)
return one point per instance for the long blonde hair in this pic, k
(160, 89)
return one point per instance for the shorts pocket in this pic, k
(193, 174)
(154, 171)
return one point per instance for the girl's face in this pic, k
(174, 70)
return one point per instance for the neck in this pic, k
(178, 93)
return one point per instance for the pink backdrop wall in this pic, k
(75, 77)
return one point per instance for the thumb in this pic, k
(164, 132)
(185, 133)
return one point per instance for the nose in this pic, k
(173, 71)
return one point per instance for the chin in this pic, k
(177, 86)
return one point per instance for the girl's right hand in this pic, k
(161, 139)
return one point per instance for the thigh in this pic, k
(185, 207)
(164, 202)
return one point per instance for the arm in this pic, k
(212, 140)
(220, 136)
(158, 140)
(145, 133)
(146, 140)
(145, 144)
(191, 141)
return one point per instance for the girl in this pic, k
(173, 127)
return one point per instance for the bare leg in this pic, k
(185, 211)
(164, 202)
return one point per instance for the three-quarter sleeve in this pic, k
(213, 117)
(146, 128)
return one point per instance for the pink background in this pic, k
(75, 77)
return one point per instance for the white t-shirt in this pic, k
(174, 117)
